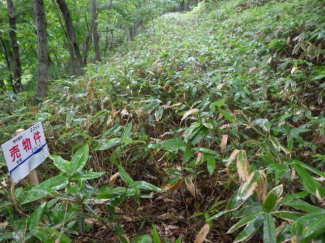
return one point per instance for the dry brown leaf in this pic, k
(190, 112)
(174, 187)
(262, 187)
(4, 183)
(139, 112)
(4, 224)
(251, 70)
(242, 167)
(199, 157)
(293, 175)
(172, 227)
(294, 69)
(159, 70)
(166, 215)
(202, 235)
(225, 126)
(124, 112)
(223, 144)
(156, 62)
(127, 218)
(177, 104)
(35, 110)
(231, 158)
(113, 178)
(219, 87)
(152, 73)
(289, 40)
(190, 186)
(318, 196)
(270, 60)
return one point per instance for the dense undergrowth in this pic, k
(211, 117)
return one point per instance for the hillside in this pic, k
(209, 120)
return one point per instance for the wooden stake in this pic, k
(33, 177)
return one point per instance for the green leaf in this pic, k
(287, 215)
(185, 72)
(269, 234)
(116, 192)
(211, 163)
(272, 198)
(125, 176)
(188, 154)
(159, 113)
(263, 123)
(174, 172)
(49, 235)
(248, 209)
(218, 103)
(275, 142)
(216, 216)
(196, 135)
(143, 185)
(179, 240)
(142, 239)
(205, 150)
(79, 159)
(304, 206)
(121, 234)
(155, 235)
(244, 191)
(126, 137)
(87, 175)
(173, 144)
(251, 228)
(319, 77)
(228, 116)
(108, 144)
(309, 182)
(36, 217)
(316, 229)
(207, 125)
(301, 225)
(60, 163)
(244, 221)
(311, 169)
(41, 190)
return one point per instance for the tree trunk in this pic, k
(71, 34)
(7, 56)
(87, 43)
(15, 46)
(42, 53)
(187, 5)
(182, 5)
(131, 30)
(95, 31)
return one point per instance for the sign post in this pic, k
(32, 176)
(23, 153)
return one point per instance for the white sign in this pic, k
(25, 152)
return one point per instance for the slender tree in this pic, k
(8, 56)
(95, 30)
(15, 47)
(71, 35)
(42, 53)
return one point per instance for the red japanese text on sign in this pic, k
(27, 144)
(25, 152)
(15, 153)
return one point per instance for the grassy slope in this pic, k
(244, 54)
